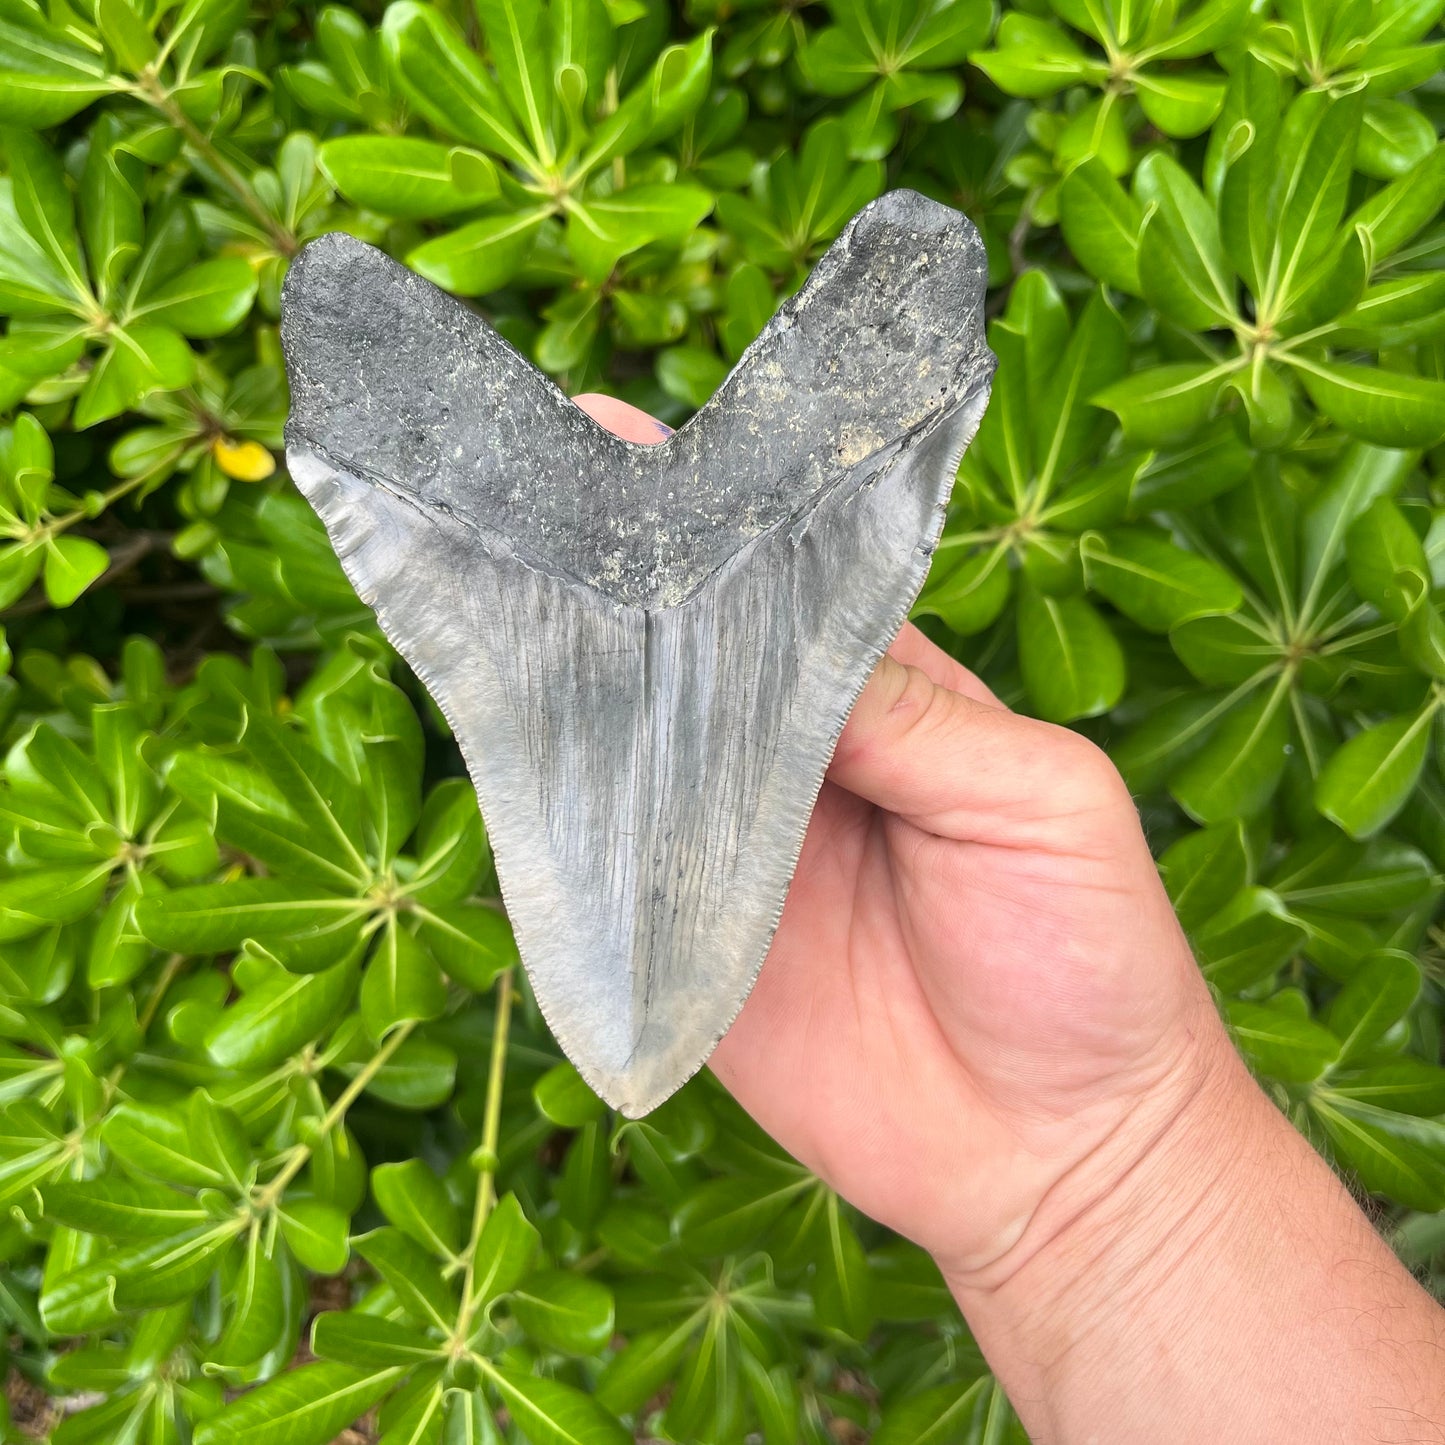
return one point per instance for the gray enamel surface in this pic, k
(646, 653)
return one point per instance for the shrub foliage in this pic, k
(284, 1144)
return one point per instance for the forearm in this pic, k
(1209, 1280)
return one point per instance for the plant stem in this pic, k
(174, 964)
(264, 1198)
(150, 90)
(491, 1134)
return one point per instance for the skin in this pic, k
(981, 1023)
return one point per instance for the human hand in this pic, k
(981, 1023)
(978, 981)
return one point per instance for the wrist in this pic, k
(1126, 1236)
(1129, 1181)
(1148, 1295)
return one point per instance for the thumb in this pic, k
(964, 768)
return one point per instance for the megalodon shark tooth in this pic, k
(646, 653)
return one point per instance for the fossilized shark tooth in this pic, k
(646, 653)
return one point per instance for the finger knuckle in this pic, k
(1082, 772)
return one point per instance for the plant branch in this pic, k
(299, 1154)
(151, 91)
(491, 1135)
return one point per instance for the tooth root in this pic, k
(646, 654)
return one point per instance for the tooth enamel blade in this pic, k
(646, 654)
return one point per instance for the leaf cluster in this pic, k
(285, 1145)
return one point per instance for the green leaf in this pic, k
(1247, 941)
(726, 1214)
(139, 1275)
(1397, 211)
(44, 206)
(1395, 312)
(317, 1234)
(417, 1203)
(834, 63)
(1182, 264)
(413, 1274)
(1394, 137)
(1225, 651)
(480, 256)
(208, 299)
(1333, 285)
(1405, 1086)
(256, 1316)
(940, 1415)
(1101, 222)
(508, 1243)
(690, 373)
(564, 1311)
(126, 34)
(841, 1286)
(1362, 474)
(408, 177)
(1165, 404)
(420, 1075)
(1391, 408)
(600, 232)
(276, 1017)
(19, 567)
(139, 360)
(1154, 582)
(219, 917)
(1096, 354)
(1181, 104)
(667, 96)
(450, 845)
(1206, 27)
(1394, 1154)
(33, 900)
(71, 565)
(472, 941)
(1369, 779)
(774, 1394)
(1379, 546)
(970, 596)
(47, 78)
(646, 1363)
(552, 1413)
(1306, 201)
(564, 1097)
(1072, 664)
(284, 804)
(369, 1342)
(517, 38)
(151, 1139)
(123, 1209)
(1204, 870)
(1378, 995)
(1279, 1043)
(1331, 874)
(403, 983)
(310, 1405)
(1236, 772)
(111, 209)
(447, 84)
(328, 807)
(1033, 58)
(219, 1139)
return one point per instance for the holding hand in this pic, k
(981, 1023)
